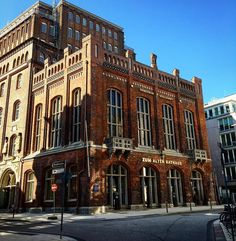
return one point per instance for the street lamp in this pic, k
(222, 152)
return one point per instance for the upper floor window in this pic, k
(97, 27)
(76, 115)
(116, 49)
(189, 128)
(1, 111)
(2, 89)
(216, 111)
(104, 45)
(103, 30)
(210, 113)
(12, 150)
(77, 19)
(115, 36)
(84, 22)
(56, 110)
(222, 111)
(168, 125)
(19, 81)
(114, 113)
(91, 24)
(228, 139)
(226, 123)
(109, 47)
(77, 35)
(44, 27)
(144, 127)
(70, 33)
(227, 109)
(109, 33)
(41, 57)
(70, 16)
(16, 110)
(38, 122)
(52, 30)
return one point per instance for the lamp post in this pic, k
(222, 152)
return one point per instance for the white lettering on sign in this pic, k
(161, 161)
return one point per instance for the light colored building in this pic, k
(221, 118)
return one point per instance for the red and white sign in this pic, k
(54, 187)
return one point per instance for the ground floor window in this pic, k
(116, 186)
(49, 179)
(148, 183)
(72, 185)
(175, 187)
(197, 187)
(29, 191)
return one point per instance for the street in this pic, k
(178, 227)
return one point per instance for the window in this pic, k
(216, 111)
(104, 45)
(52, 30)
(38, 120)
(16, 110)
(109, 33)
(103, 30)
(96, 50)
(19, 81)
(189, 128)
(77, 19)
(115, 36)
(56, 122)
(227, 109)
(72, 185)
(44, 27)
(84, 22)
(48, 195)
(116, 49)
(197, 187)
(230, 173)
(210, 113)
(97, 27)
(144, 127)
(222, 110)
(76, 115)
(77, 35)
(29, 191)
(226, 123)
(69, 33)
(168, 125)
(228, 139)
(1, 111)
(12, 150)
(109, 47)
(91, 25)
(114, 113)
(70, 16)
(83, 35)
(2, 89)
(41, 57)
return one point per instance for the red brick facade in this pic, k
(122, 170)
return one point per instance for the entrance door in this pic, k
(7, 191)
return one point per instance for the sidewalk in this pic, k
(119, 214)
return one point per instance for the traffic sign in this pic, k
(54, 187)
(58, 170)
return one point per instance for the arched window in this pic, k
(49, 179)
(76, 118)
(144, 127)
(116, 179)
(41, 57)
(197, 187)
(26, 56)
(114, 113)
(14, 63)
(148, 181)
(1, 116)
(29, 189)
(189, 128)
(56, 108)
(168, 126)
(19, 81)
(175, 187)
(16, 110)
(72, 185)
(2, 89)
(38, 120)
(12, 150)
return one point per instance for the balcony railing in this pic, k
(198, 155)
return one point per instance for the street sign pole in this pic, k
(63, 198)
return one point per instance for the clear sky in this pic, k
(197, 37)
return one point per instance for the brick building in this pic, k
(132, 135)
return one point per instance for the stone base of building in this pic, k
(136, 207)
(92, 210)
(169, 205)
(212, 203)
(188, 204)
(35, 210)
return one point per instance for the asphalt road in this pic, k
(182, 227)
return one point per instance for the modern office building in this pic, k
(130, 135)
(221, 119)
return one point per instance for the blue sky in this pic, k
(197, 37)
